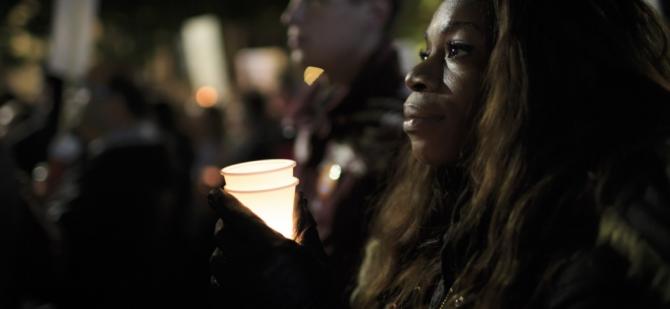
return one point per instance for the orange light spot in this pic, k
(206, 96)
(312, 74)
(210, 177)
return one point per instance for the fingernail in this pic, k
(214, 195)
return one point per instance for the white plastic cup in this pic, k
(272, 205)
(267, 188)
(253, 175)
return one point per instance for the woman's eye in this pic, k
(455, 50)
(423, 54)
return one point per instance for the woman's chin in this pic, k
(431, 155)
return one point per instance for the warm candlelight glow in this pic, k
(273, 205)
(267, 188)
(264, 173)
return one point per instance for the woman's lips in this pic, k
(412, 125)
(417, 118)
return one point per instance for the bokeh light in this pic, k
(312, 74)
(206, 96)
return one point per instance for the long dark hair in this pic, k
(574, 88)
(562, 79)
(402, 258)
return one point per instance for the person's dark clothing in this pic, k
(30, 139)
(26, 241)
(9, 229)
(121, 218)
(264, 134)
(344, 150)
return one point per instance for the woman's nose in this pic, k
(423, 78)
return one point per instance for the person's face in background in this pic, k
(327, 33)
(446, 84)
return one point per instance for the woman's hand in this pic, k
(254, 266)
(239, 233)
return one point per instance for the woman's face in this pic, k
(446, 84)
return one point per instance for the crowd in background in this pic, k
(89, 213)
(106, 176)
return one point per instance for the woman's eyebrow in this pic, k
(454, 25)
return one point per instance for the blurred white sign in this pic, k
(407, 51)
(72, 37)
(260, 68)
(204, 52)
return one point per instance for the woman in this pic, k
(537, 176)
(568, 170)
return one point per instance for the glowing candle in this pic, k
(267, 188)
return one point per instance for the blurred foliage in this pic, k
(139, 26)
(136, 28)
(132, 30)
(414, 18)
(24, 25)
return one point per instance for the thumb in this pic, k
(226, 205)
(306, 233)
(302, 217)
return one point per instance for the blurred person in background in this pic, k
(27, 263)
(263, 135)
(27, 239)
(349, 125)
(209, 132)
(29, 138)
(122, 208)
(178, 143)
(9, 229)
